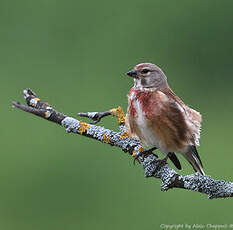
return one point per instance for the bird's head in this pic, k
(148, 75)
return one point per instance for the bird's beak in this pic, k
(132, 73)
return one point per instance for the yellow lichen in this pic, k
(118, 112)
(106, 138)
(124, 135)
(140, 149)
(134, 153)
(83, 127)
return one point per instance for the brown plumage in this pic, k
(161, 119)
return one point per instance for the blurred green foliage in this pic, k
(74, 54)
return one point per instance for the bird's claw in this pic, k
(145, 154)
(161, 162)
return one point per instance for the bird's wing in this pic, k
(192, 118)
(167, 119)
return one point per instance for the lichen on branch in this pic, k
(151, 164)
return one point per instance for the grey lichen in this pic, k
(98, 133)
(71, 124)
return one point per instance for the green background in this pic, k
(74, 54)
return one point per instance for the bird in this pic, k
(159, 118)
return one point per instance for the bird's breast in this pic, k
(141, 110)
(143, 101)
(155, 122)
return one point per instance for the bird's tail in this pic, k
(193, 158)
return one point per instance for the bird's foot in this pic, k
(162, 162)
(144, 154)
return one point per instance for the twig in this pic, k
(152, 165)
(95, 116)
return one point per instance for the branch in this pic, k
(152, 164)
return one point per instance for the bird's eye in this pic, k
(145, 70)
